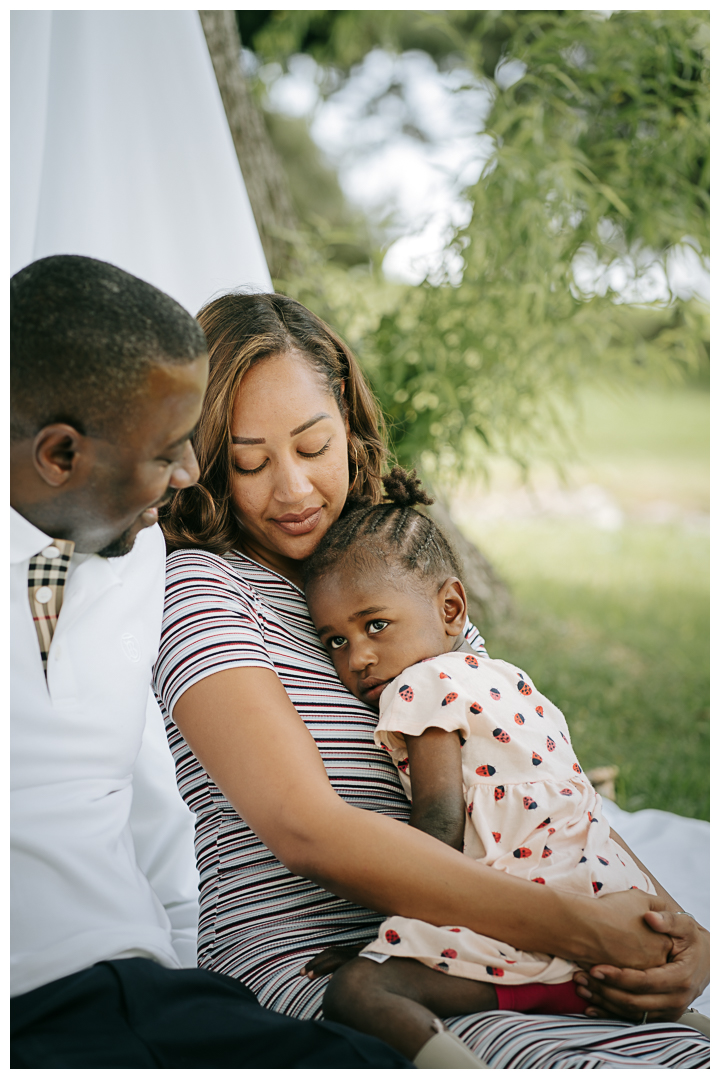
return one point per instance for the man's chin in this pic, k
(123, 545)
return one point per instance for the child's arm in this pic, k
(438, 803)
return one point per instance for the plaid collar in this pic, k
(47, 574)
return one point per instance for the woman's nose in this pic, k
(292, 485)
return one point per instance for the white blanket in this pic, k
(676, 850)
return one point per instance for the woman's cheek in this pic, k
(245, 499)
(333, 481)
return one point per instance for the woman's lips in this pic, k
(299, 524)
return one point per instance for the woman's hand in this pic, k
(663, 992)
(619, 931)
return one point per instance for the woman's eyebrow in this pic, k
(295, 431)
(309, 423)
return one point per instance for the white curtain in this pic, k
(121, 150)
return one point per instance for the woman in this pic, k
(297, 840)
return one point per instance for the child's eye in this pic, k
(376, 626)
(336, 642)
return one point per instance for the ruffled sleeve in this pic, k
(422, 697)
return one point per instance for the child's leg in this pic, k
(398, 1001)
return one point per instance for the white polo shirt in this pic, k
(102, 865)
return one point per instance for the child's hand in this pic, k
(329, 960)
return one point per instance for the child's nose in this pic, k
(362, 655)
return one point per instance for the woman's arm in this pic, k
(438, 804)
(242, 726)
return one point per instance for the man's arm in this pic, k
(163, 832)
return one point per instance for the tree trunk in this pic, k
(260, 164)
(488, 595)
(268, 191)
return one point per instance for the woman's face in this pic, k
(291, 463)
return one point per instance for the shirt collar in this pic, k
(25, 538)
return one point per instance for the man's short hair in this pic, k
(83, 337)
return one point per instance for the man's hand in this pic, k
(329, 960)
(664, 993)
(615, 932)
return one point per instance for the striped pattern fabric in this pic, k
(259, 922)
(47, 574)
(508, 1040)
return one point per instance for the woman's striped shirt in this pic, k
(258, 921)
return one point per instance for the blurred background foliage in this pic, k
(596, 173)
(553, 332)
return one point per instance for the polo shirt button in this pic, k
(43, 595)
(51, 552)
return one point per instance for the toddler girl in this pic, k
(486, 758)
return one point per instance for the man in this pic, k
(107, 380)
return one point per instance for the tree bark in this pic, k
(488, 595)
(269, 194)
(260, 164)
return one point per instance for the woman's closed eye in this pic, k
(250, 472)
(314, 453)
(302, 453)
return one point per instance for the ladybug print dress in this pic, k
(531, 811)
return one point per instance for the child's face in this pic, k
(375, 629)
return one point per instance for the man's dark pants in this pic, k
(134, 1014)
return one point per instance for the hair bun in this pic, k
(404, 489)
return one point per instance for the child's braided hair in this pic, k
(391, 531)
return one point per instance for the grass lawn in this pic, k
(614, 625)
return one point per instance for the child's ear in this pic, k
(453, 606)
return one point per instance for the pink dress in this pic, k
(531, 812)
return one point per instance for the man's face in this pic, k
(138, 471)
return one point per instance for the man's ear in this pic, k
(453, 606)
(58, 452)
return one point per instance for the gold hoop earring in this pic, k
(352, 461)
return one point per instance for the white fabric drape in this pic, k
(121, 150)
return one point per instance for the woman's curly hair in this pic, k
(241, 330)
